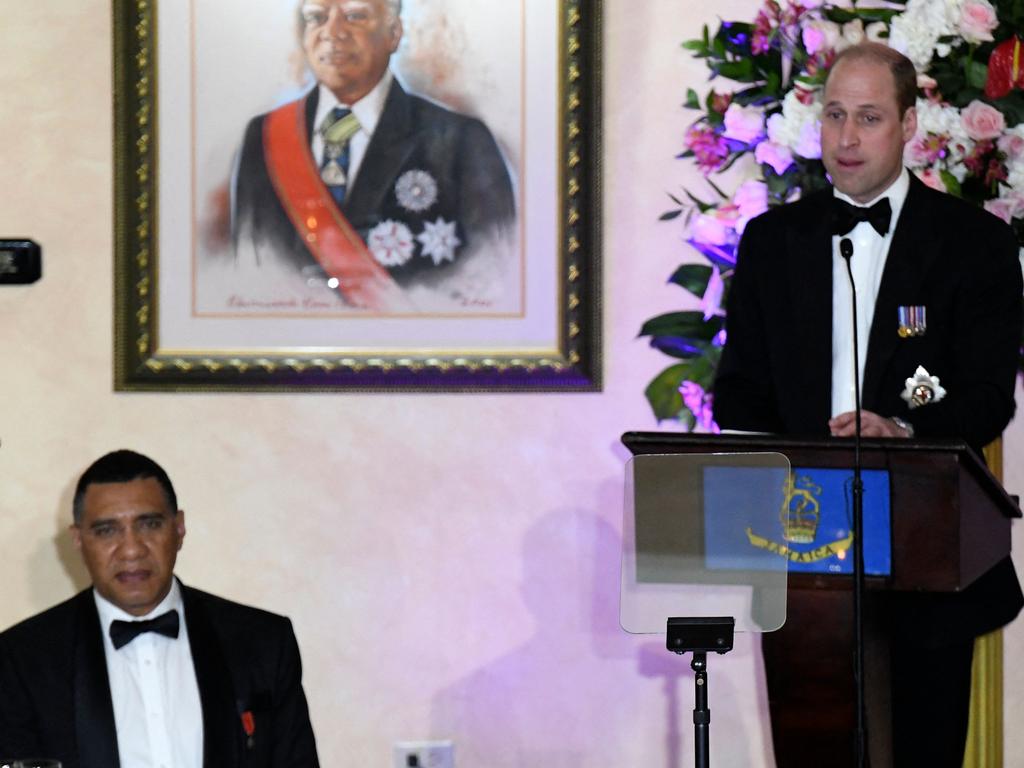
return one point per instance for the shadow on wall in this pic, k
(567, 698)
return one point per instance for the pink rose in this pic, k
(743, 123)
(751, 199)
(776, 155)
(1009, 207)
(814, 39)
(1001, 207)
(977, 20)
(820, 35)
(982, 121)
(711, 302)
(931, 177)
(1012, 145)
(709, 229)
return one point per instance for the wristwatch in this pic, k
(905, 426)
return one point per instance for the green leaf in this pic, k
(676, 346)
(701, 205)
(692, 100)
(742, 70)
(669, 215)
(729, 162)
(663, 392)
(686, 324)
(952, 185)
(976, 73)
(715, 187)
(692, 277)
(701, 370)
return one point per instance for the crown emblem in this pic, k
(800, 509)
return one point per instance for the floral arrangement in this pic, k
(762, 121)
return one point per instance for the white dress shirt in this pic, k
(367, 111)
(870, 251)
(153, 687)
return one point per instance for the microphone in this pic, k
(846, 251)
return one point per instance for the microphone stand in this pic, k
(846, 251)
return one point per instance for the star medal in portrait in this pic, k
(439, 241)
(416, 190)
(391, 243)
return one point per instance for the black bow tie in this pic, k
(845, 216)
(123, 632)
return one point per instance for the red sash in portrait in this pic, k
(326, 232)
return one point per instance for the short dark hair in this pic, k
(904, 74)
(121, 466)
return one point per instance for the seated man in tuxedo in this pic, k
(360, 186)
(788, 367)
(140, 670)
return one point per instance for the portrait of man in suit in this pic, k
(139, 669)
(788, 367)
(381, 200)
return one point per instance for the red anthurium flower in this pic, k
(1005, 68)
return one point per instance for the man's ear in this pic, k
(396, 34)
(179, 526)
(909, 124)
(76, 535)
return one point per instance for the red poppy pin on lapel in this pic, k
(249, 724)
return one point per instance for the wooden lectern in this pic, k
(950, 523)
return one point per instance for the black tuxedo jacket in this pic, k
(55, 697)
(958, 261)
(474, 190)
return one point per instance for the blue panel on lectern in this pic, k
(809, 524)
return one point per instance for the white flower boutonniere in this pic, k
(922, 388)
(416, 191)
(391, 243)
(439, 240)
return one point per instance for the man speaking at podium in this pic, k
(938, 286)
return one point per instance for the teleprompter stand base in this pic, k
(700, 635)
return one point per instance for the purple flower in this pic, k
(699, 403)
(708, 147)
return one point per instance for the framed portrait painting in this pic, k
(357, 194)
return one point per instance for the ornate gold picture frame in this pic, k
(177, 112)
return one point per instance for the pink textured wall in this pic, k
(450, 561)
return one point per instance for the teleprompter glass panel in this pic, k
(698, 540)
